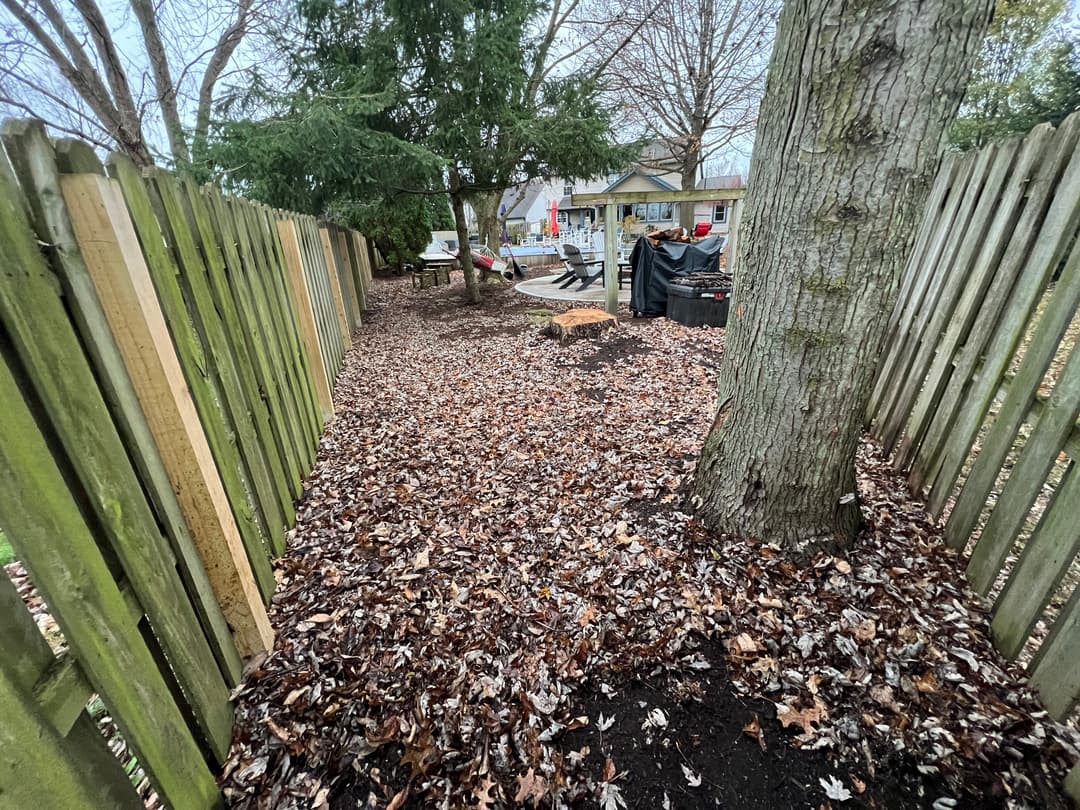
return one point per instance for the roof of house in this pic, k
(722, 181)
(652, 177)
(533, 191)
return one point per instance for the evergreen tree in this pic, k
(395, 98)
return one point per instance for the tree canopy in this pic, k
(1028, 72)
(390, 100)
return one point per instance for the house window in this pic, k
(560, 217)
(719, 213)
(568, 189)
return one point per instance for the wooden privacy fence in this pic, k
(980, 377)
(167, 360)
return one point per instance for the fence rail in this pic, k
(980, 380)
(167, 362)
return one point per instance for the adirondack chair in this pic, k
(577, 264)
(568, 274)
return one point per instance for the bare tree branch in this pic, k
(227, 44)
(166, 90)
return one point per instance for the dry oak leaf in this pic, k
(743, 646)
(609, 770)
(866, 630)
(531, 786)
(484, 799)
(798, 717)
(925, 682)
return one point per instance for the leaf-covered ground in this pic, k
(493, 599)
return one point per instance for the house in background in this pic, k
(653, 172)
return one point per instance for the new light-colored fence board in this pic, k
(996, 278)
(294, 264)
(164, 380)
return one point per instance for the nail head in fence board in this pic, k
(26, 661)
(1046, 558)
(42, 335)
(206, 319)
(928, 413)
(31, 154)
(51, 536)
(335, 286)
(253, 251)
(989, 346)
(1036, 460)
(1055, 674)
(917, 396)
(237, 261)
(1052, 325)
(198, 214)
(122, 280)
(191, 353)
(293, 263)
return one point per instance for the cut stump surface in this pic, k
(578, 323)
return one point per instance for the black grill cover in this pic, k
(655, 266)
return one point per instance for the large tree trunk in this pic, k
(457, 203)
(848, 139)
(690, 167)
(486, 206)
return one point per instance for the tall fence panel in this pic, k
(978, 391)
(167, 357)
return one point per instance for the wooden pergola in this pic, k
(613, 200)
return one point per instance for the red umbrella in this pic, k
(554, 217)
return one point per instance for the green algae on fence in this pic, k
(248, 321)
(206, 319)
(208, 398)
(34, 161)
(266, 327)
(198, 211)
(42, 367)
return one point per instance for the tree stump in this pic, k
(579, 323)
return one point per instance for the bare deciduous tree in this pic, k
(72, 65)
(692, 76)
(850, 135)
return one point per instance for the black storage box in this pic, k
(699, 300)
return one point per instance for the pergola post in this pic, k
(733, 235)
(611, 258)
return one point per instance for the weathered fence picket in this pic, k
(164, 379)
(994, 288)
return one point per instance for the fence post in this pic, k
(111, 251)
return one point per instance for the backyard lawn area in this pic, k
(494, 597)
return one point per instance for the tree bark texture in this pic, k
(486, 206)
(457, 203)
(856, 104)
